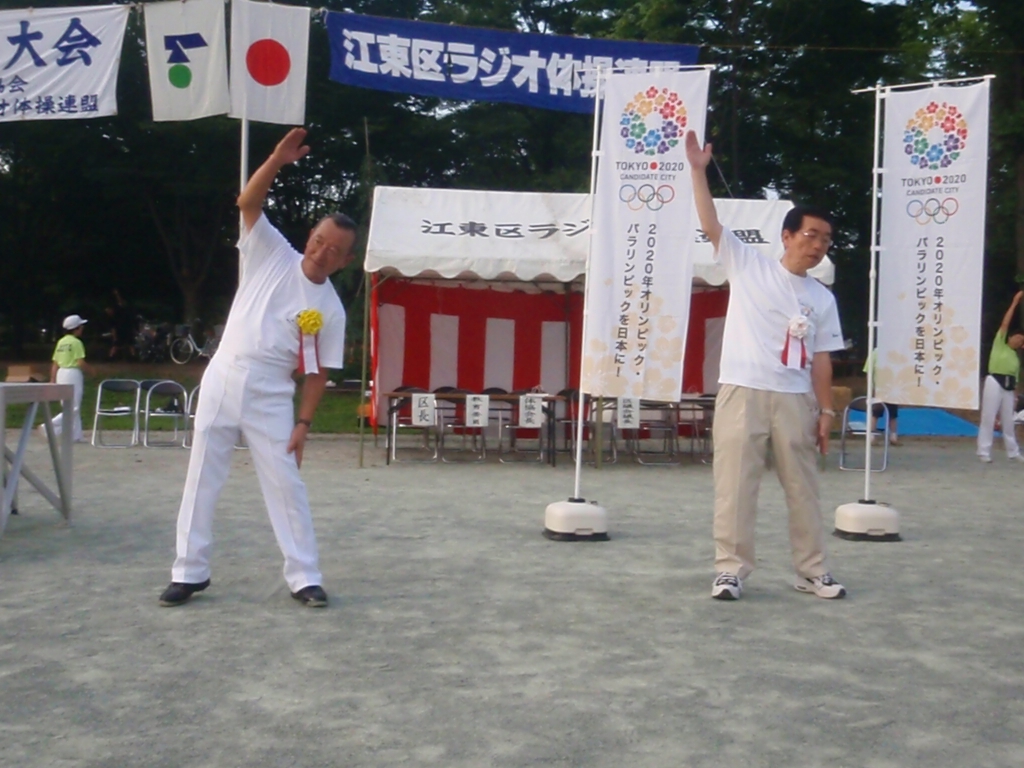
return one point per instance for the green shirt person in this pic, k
(68, 368)
(1000, 388)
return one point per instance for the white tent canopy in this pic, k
(528, 236)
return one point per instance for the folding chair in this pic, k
(521, 427)
(176, 409)
(122, 401)
(853, 426)
(658, 422)
(454, 420)
(604, 410)
(498, 411)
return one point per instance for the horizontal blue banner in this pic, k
(451, 62)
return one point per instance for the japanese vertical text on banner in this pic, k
(641, 263)
(932, 246)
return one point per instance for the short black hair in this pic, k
(795, 217)
(340, 220)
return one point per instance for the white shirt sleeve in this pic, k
(732, 254)
(828, 336)
(263, 244)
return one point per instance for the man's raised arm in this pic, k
(289, 150)
(705, 204)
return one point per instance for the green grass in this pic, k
(336, 413)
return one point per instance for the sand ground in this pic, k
(458, 636)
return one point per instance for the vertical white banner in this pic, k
(60, 63)
(932, 245)
(186, 50)
(640, 273)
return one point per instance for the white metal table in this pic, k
(13, 466)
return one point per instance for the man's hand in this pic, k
(290, 149)
(1018, 297)
(699, 158)
(824, 428)
(298, 442)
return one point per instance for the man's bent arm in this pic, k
(313, 386)
(289, 150)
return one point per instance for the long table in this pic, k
(13, 467)
(454, 397)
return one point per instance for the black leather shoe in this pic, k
(312, 596)
(179, 592)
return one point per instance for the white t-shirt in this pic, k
(763, 297)
(272, 291)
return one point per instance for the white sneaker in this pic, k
(823, 586)
(985, 459)
(727, 586)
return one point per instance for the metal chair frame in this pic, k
(161, 388)
(119, 411)
(867, 432)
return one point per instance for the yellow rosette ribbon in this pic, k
(310, 321)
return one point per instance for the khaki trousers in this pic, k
(744, 420)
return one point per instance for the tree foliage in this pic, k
(149, 207)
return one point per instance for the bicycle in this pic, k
(185, 347)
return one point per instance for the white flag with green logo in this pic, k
(187, 52)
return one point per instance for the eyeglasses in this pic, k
(824, 239)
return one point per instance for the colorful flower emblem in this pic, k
(935, 136)
(653, 122)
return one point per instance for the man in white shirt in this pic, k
(776, 382)
(286, 316)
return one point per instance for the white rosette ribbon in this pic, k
(794, 351)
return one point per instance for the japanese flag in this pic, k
(269, 51)
(186, 45)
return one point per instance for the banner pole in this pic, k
(594, 154)
(876, 171)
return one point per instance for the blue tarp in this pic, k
(926, 421)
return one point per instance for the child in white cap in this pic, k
(68, 366)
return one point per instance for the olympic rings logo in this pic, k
(637, 198)
(932, 210)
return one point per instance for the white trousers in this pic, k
(996, 400)
(238, 398)
(71, 376)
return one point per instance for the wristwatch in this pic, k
(307, 422)
(828, 412)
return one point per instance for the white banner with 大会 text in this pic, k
(641, 267)
(932, 242)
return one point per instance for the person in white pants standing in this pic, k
(286, 316)
(67, 368)
(997, 395)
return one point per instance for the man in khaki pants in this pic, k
(776, 382)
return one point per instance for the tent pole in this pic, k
(362, 386)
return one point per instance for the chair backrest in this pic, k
(146, 384)
(119, 385)
(166, 387)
